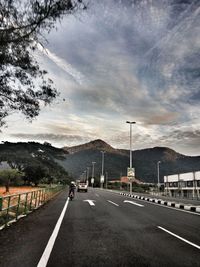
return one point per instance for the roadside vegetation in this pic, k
(138, 188)
(31, 164)
(25, 87)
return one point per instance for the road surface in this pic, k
(102, 228)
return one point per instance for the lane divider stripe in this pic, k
(113, 203)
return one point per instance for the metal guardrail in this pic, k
(13, 207)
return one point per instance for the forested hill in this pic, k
(76, 159)
(31, 149)
(117, 160)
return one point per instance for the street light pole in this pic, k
(102, 169)
(85, 174)
(130, 122)
(106, 180)
(88, 170)
(158, 173)
(92, 180)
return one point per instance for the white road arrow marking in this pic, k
(134, 203)
(91, 202)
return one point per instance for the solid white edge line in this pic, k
(113, 203)
(181, 238)
(46, 254)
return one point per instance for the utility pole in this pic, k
(88, 170)
(131, 173)
(158, 174)
(92, 180)
(102, 169)
(106, 180)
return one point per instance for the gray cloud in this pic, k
(185, 141)
(68, 139)
(133, 54)
(181, 135)
(132, 59)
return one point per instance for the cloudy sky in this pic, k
(135, 60)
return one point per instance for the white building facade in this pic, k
(183, 185)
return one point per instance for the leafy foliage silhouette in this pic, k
(24, 85)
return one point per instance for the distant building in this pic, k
(183, 185)
(124, 179)
(114, 181)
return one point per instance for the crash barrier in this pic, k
(14, 207)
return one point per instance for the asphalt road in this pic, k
(107, 231)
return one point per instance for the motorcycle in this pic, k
(71, 196)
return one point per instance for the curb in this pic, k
(165, 203)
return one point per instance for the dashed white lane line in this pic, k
(179, 237)
(113, 203)
(47, 252)
(97, 195)
(134, 203)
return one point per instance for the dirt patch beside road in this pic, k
(17, 190)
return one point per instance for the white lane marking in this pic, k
(97, 195)
(113, 203)
(134, 203)
(91, 202)
(46, 254)
(179, 237)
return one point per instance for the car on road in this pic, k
(82, 186)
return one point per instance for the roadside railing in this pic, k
(13, 207)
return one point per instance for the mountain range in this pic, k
(76, 159)
(116, 161)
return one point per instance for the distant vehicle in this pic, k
(72, 188)
(82, 186)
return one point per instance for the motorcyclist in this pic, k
(72, 188)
